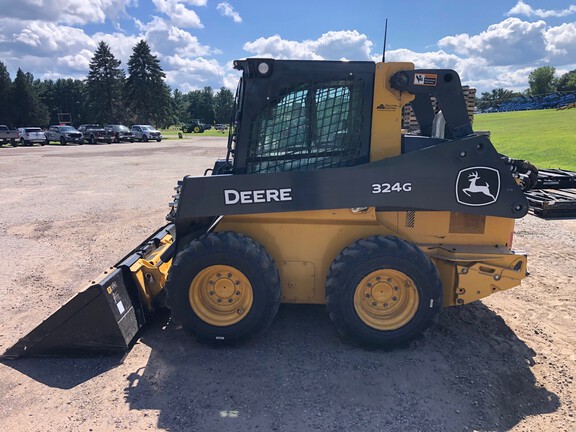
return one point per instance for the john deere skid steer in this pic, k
(321, 199)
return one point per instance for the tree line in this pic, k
(542, 81)
(109, 94)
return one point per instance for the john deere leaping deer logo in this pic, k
(477, 186)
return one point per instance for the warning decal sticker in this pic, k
(425, 79)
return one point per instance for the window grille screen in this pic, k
(311, 126)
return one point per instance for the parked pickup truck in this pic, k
(119, 133)
(8, 136)
(27, 136)
(64, 134)
(94, 133)
(145, 133)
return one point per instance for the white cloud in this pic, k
(334, 45)
(188, 74)
(560, 43)
(510, 42)
(48, 40)
(522, 8)
(276, 47)
(79, 62)
(70, 12)
(166, 39)
(429, 60)
(179, 14)
(226, 9)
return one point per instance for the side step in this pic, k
(102, 319)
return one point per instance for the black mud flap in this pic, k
(103, 319)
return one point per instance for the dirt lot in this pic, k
(507, 363)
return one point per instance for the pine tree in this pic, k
(223, 105)
(202, 105)
(27, 108)
(146, 92)
(5, 95)
(104, 85)
(181, 104)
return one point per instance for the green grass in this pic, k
(547, 138)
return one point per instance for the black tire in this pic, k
(382, 291)
(92, 139)
(145, 138)
(116, 138)
(62, 141)
(217, 314)
(158, 139)
(47, 141)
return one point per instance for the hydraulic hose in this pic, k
(524, 170)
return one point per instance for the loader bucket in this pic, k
(102, 319)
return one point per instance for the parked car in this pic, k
(64, 134)
(28, 136)
(94, 133)
(8, 135)
(119, 133)
(145, 133)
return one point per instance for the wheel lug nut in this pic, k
(229, 274)
(367, 295)
(230, 300)
(395, 298)
(369, 285)
(211, 292)
(239, 311)
(219, 300)
(237, 282)
(237, 292)
(218, 275)
(396, 288)
(374, 304)
(389, 280)
(385, 304)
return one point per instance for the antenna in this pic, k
(385, 34)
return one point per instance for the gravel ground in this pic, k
(505, 363)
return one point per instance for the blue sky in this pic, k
(489, 43)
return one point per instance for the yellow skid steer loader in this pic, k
(321, 199)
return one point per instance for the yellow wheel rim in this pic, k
(386, 299)
(220, 295)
